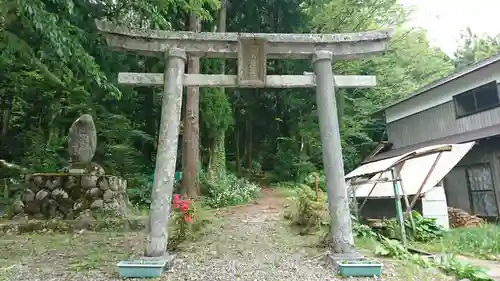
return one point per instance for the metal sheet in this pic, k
(413, 172)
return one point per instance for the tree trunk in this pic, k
(5, 118)
(249, 144)
(217, 163)
(191, 136)
(237, 148)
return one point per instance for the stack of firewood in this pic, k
(460, 218)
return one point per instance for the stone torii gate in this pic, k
(252, 51)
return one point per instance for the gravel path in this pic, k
(251, 242)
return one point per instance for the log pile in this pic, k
(460, 218)
(67, 196)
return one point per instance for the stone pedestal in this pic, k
(70, 196)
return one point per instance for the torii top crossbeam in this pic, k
(226, 45)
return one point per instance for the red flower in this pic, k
(176, 197)
(188, 218)
(176, 205)
(183, 207)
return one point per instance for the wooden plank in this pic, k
(229, 81)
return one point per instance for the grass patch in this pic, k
(79, 252)
(482, 242)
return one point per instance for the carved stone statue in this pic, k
(82, 140)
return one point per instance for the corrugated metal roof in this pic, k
(457, 74)
(413, 172)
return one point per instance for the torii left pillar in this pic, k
(166, 155)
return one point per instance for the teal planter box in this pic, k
(141, 268)
(359, 268)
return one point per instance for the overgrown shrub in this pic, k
(362, 230)
(309, 212)
(311, 180)
(426, 229)
(229, 190)
(139, 189)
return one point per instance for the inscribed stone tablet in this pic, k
(252, 62)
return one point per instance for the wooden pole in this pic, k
(370, 193)
(399, 209)
(399, 167)
(424, 182)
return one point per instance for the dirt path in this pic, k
(250, 242)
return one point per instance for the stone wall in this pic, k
(70, 196)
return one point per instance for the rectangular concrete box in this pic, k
(359, 268)
(141, 268)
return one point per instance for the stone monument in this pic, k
(80, 189)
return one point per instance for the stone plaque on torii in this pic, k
(252, 51)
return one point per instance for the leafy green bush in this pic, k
(311, 180)
(362, 230)
(310, 212)
(229, 190)
(447, 264)
(426, 229)
(482, 241)
(139, 189)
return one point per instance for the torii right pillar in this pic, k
(338, 201)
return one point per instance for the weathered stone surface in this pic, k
(104, 185)
(28, 196)
(108, 195)
(59, 193)
(225, 45)
(41, 195)
(231, 81)
(91, 168)
(89, 182)
(18, 207)
(68, 198)
(94, 192)
(97, 204)
(37, 180)
(82, 140)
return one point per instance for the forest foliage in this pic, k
(55, 66)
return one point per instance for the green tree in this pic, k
(475, 47)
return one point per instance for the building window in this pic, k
(481, 190)
(476, 100)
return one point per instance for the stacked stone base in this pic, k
(68, 226)
(71, 196)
